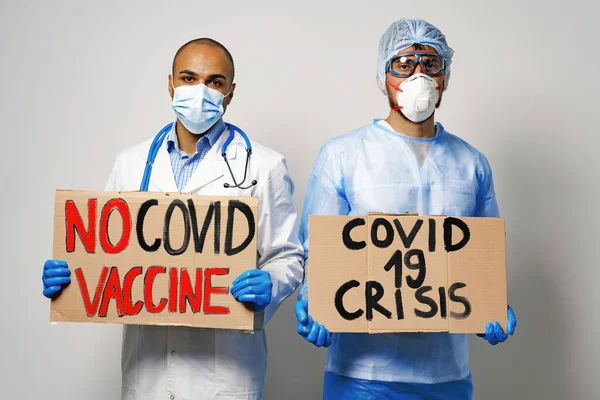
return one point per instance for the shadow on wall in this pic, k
(296, 367)
(529, 365)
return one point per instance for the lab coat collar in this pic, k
(210, 168)
(162, 171)
(213, 165)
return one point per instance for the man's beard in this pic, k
(393, 103)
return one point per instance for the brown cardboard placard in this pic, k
(151, 258)
(407, 273)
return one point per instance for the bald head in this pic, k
(206, 42)
(203, 62)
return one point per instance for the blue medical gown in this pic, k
(374, 169)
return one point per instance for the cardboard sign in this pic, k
(407, 273)
(154, 259)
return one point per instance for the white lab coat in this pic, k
(180, 363)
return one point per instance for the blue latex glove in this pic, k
(310, 330)
(253, 286)
(56, 275)
(494, 333)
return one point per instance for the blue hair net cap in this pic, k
(405, 33)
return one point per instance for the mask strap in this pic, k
(228, 93)
(398, 89)
(395, 87)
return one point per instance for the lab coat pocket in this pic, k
(240, 363)
(459, 198)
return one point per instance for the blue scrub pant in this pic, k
(338, 387)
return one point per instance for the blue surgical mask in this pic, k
(198, 107)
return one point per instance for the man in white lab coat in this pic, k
(160, 362)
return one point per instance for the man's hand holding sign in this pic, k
(149, 258)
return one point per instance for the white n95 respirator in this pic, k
(417, 97)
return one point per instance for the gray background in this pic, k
(81, 80)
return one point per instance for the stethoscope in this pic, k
(160, 137)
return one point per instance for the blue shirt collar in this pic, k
(212, 135)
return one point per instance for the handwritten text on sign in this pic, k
(151, 258)
(384, 273)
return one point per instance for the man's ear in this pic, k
(171, 86)
(227, 101)
(441, 93)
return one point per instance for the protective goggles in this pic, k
(403, 65)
